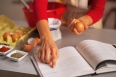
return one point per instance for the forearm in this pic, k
(86, 20)
(40, 9)
(43, 29)
(97, 9)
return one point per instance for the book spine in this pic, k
(34, 62)
(114, 45)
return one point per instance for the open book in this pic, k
(88, 57)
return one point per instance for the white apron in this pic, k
(76, 9)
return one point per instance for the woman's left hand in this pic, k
(74, 30)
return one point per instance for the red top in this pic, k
(96, 11)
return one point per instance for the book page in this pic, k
(96, 52)
(108, 66)
(70, 63)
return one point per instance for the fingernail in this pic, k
(53, 66)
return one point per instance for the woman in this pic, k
(48, 53)
(90, 17)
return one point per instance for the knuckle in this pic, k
(42, 50)
(39, 56)
(42, 59)
(53, 56)
(47, 60)
(47, 49)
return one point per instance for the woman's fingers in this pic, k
(57, 54)
(48, 52)
(85, 27)
(43, 55)
(72, 29)
(47, 56)
(70, 23)
(75, 32)
(54, 57)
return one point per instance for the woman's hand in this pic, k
(48, 52)
(71, 27)
(85, 20)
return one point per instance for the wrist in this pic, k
(47, 38)
(86, 20)
(84, 23)
(43, 29)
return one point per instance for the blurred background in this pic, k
(13, 10)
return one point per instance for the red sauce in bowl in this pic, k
(4, 49)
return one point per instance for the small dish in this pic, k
(17, 51)
(7, 51)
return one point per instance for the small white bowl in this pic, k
(17, 59)
(4, 53)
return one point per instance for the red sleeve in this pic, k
(40, 9)
(97, 9)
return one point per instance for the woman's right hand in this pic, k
(48, 52)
